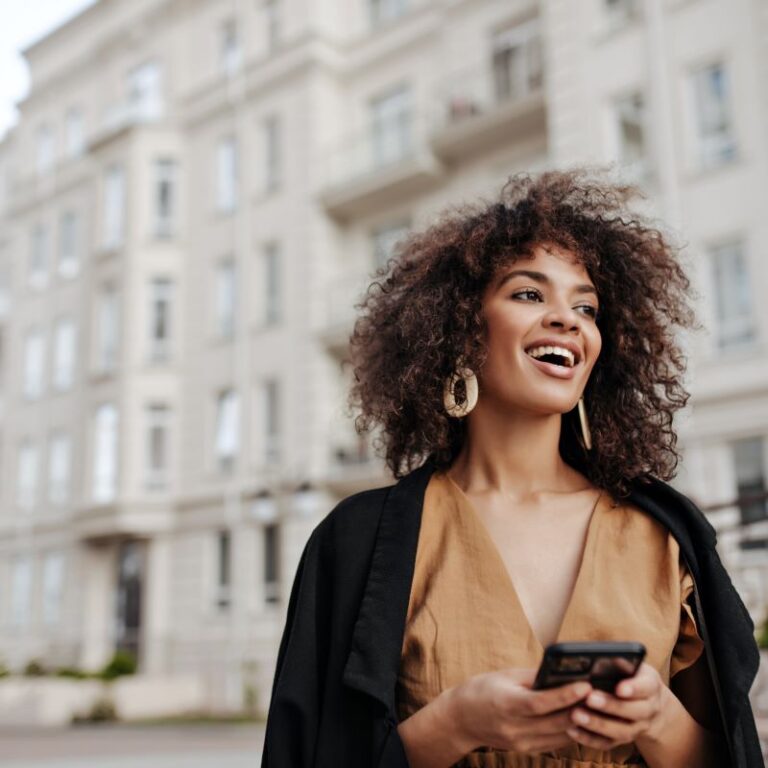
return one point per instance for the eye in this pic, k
(591, 311)
(528, 291)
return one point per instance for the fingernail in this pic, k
(596, 700)
(581, 717)
(582, 689)
(626, 690)
(573, 732)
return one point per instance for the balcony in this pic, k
(339, 313)
(122, 117)
(101, 522)
(378, 167)
(353, 466)
(480, 110)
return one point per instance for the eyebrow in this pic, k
(542, 278)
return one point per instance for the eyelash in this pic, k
(593, 313)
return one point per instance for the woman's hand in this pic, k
(500, 710)
(636, 709)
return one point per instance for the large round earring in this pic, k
(449, 396)
(586, 434)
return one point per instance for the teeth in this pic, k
(566, 353)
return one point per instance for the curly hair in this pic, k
(423, 313)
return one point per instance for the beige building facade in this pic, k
(195, 195)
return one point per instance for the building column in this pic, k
(157, 608)
(98, 584)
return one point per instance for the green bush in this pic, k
(34, 668)
(102, 711)
(762, 635)
(72, 672)
(4, 671)
(122, 663)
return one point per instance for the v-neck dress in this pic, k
(465, 618)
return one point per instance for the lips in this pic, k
(551, 369)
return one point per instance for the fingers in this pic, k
(642, 685)
(553, 699)
(612, 730)
(605, 703)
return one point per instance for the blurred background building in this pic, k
(193, 199)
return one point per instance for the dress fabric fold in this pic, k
(465, 618)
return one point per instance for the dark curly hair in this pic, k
(422, 313)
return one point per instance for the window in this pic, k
(45, 150)
(227, 429)
(230, 54)
(34, 365)
(107, 330)
(69, 261)
(145, 97)
(271, 283)
(391, 126)
(383, 11)
(59, 468)
(53, 587)
(64, 354)
(27, 471)
(21, 592)
(273, 24)
(619, 12)
(160, 309)
(272, 562)
(270, 418)
(225, 299)
(74, 134)
(272, 153)
(714, 121)
(630, 139)
(749, 465)
(223, 569)
(226, 175)
(158, 425)
(104, 486)
(114, 208)
(735, 321)
(39, 257)
(165, 197)
(384, 239)
(518, 68)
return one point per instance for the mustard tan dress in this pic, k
(465, 618)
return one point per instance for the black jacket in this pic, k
(333, 696)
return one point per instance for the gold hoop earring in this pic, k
(449, 397)
(586, 434)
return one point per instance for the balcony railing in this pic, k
(379, 164)
(497, 103)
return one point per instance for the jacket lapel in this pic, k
(378, 632)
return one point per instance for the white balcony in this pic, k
(482, 109)
(379, 166)
(340, 313)
(353, 466)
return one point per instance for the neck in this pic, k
(514, 453)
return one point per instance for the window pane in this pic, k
(391, 126)
(114, 208)
(165, 197)
(733, 296)
(749, 464)
(105, 454)
(713, 116)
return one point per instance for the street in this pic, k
(128, 746)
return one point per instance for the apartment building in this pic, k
(192, 201)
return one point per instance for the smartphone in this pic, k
(603, 664)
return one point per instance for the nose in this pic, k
(562, 317)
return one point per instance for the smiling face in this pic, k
(547, 306)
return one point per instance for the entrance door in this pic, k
(130, 577)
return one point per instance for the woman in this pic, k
(523, 353)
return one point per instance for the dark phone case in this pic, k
(597, 662)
